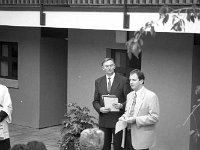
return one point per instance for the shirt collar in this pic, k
(111, 77)
(139, 91)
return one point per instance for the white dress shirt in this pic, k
(111, 79)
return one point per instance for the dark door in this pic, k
(123, 64)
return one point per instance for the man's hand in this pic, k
(117, 105)
(131, 120)
(104, 110)
(122, 118)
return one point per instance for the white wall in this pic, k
(167, 63)
(90, 20)
(27, 95)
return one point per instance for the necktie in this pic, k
(132, 106)
(131, 109)
(109, 85)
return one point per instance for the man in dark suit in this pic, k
(113, 84)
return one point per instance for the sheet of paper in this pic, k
(109, 100)
(120, 125)
(123, 138)
(1, 132)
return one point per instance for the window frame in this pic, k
(10, 59)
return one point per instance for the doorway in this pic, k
(123, 63)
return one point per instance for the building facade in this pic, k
(57, 47)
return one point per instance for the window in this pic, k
(9, 60)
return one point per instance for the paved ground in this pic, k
(49, 136)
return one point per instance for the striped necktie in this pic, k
(131, 109)
(109, 85)
(131, 112)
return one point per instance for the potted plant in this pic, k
(76, 120)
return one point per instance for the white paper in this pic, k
(120, 125)
(1, 132)
(123, 138)
(109, 100)
(1, 127)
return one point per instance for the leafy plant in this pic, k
(190, 14)
(76, 120)
(195, 132)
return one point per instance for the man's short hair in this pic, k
(107, 59)
(139, 73)
(92, 139)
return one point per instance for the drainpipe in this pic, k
(126, 16)
(42, 14)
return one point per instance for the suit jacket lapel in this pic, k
(104, 85)
(139, 102)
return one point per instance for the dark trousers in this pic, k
(128, 142)
(117, 139)
(5, 144)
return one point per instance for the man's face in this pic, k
(109, 67)
(135, 83)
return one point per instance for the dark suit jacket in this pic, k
(120, 88)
